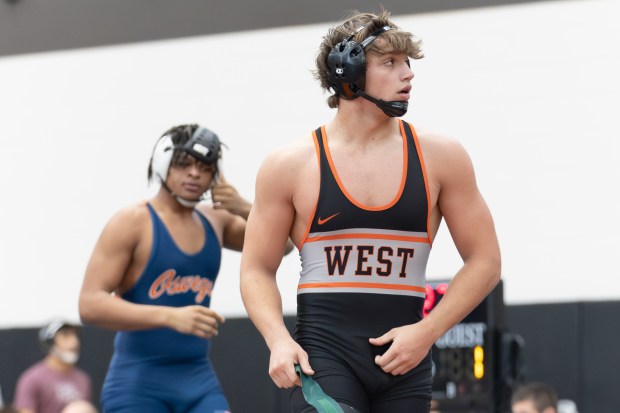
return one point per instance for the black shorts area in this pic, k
(356, 381)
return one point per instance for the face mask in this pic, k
(68, 357)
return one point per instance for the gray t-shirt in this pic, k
(44, 390)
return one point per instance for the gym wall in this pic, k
(529, 89)
(571, 346)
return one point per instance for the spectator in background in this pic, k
(52, 383)
(151, 275)
(540, 398)
(80, 406)
(534, 398)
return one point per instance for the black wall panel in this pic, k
(601, 358)
(241, 359)
(19, 348)
(30, 26)
(552, 352)
(572, 346)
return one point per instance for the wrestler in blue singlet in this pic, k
(364, 273)
(161, 370)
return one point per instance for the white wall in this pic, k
(532, 91)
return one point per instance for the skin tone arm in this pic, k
(226, 197)
(269, 225)
(109, 262)
(471, 227)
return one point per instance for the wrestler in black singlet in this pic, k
(363, 273)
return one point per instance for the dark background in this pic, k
(28, 26)
(572, 346)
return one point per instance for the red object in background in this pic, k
(433, 295)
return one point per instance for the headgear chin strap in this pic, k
(393, 108)
(204, 145)
(347, 73)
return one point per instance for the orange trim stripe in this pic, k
(316, 204)
(348, 195)
(364, 285)
(368, 236)
(428, 192)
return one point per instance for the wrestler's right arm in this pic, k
(268, 229)
(111, 258)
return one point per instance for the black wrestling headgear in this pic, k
(347, 73)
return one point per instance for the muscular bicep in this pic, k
(464, 209)
(111, 255)
(26, 395)
(270, 220)
(234, 233)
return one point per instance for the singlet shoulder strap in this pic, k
(158, 226)
(210, 231)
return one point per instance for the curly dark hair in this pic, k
(179, 135)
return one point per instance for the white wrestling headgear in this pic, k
(204, 145)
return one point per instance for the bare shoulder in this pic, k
(289, 160)
(218, 218)
(129, 220)
(292, 154)
(443, 154)
(215, 216)
(435, 144)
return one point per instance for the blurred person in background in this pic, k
(534, 398)
(537, 397)
(51, 384)
(80, 406)
(151, 275)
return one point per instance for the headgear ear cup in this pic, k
(347, 64)
(162, 155)
(204, 145)
(347, 73)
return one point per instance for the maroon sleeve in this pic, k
(26, 392)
